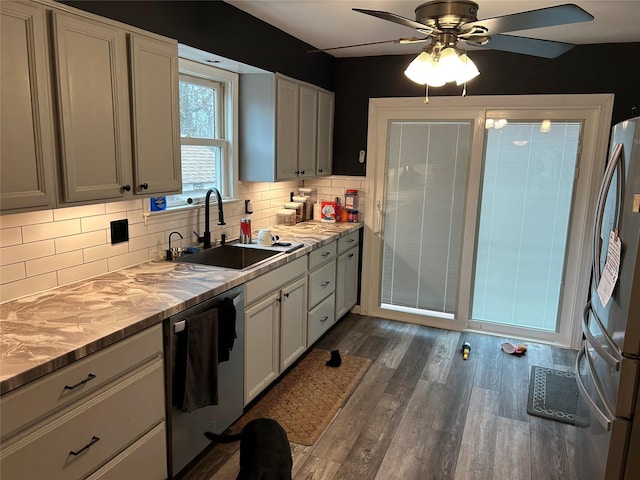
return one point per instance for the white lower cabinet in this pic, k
(346, 281)
(114, 427)
(275, 325)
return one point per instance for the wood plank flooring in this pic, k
(422, 412)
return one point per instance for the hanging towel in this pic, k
(196, 376)
(226, 328)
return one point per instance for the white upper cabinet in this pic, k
(93, 108)
(156, 115)
(282, 122)
(26, 126)
(114, 91)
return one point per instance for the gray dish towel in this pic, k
(198, 370)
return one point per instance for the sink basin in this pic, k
(229, 256)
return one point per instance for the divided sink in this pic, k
(229, 256)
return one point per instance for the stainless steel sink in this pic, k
(229, 256)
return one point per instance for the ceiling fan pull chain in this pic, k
(464, 89)
(426, 93)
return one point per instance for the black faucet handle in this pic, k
(199, 239)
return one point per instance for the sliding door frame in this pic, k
(595, 110)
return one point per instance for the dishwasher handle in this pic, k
(179, 326)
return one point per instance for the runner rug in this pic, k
(307, 398)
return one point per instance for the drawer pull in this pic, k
(326, 254)
(351, 240)
(351, 255)
(94, 439)
(91, 376)
(324, 319)
(324, 284)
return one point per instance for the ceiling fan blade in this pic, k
(397, 40)
(392, 17)
(543, 17)
(528, 46)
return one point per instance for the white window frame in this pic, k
(228, 122)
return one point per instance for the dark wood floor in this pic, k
(422, 412)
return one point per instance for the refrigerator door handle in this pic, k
(614, 360)
(604, 418)
(614, 165)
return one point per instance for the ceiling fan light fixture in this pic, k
(424, 70)
(435, 67)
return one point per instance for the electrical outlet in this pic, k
(119, 231)
(636, 203)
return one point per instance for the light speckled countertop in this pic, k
(46, 331)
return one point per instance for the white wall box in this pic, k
(26, 126)
(97, 415)
(286, 128)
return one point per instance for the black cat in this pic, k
(335, 360)
(265, 452)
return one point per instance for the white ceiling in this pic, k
(332, 23)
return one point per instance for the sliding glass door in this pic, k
(525, 211)
(477, 215)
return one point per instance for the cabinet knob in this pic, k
(302, 172)
(286, 295)
(126, 188)
(144, 186)
(320, 170)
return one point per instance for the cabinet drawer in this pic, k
(271, 281)
(96, 430)
(322, 254)
(320, 319)
(348, 241)
(25, 405)
(146, 459)
(322, 282)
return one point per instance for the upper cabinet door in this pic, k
(325, 133)
(288, 100)
(26, 126)
(156, 136)
(93, 107)
(307, 135)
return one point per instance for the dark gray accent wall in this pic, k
(220, 28)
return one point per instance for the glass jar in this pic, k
(351, 199)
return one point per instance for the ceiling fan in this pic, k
(445, 23)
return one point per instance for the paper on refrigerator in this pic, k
(611, 269)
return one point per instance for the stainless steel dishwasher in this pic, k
(185, 431)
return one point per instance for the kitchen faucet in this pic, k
(206, 236)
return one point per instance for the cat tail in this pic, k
(216, 437)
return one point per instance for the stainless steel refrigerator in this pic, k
(608, 365)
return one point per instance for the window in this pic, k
(207, 107)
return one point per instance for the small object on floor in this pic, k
(335, 360)
(512, 349)
(466, 348)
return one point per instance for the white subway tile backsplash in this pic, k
(10, 236)
(100, 222)
(99, 252)
(125, 206)
(27, 251)
(53, 263)
(82, 272)
(29, 218)
(78, 212)
(28, 286)
(41, 250)
(42, 231)
(78, 242)
(128, 260)
(13, 272)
